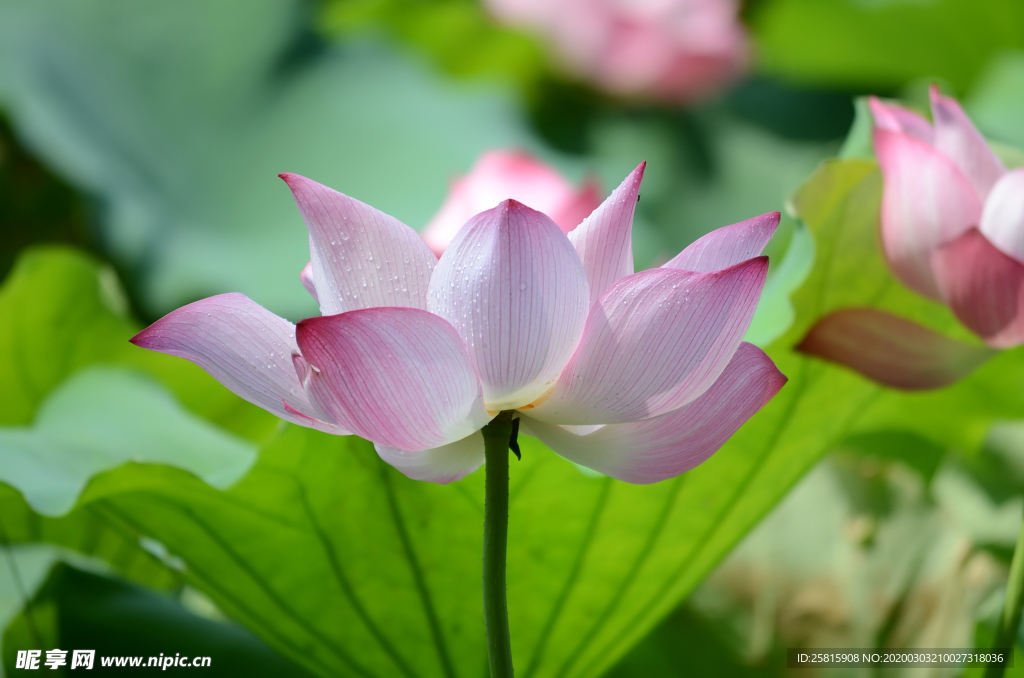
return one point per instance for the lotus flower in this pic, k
(953, 230)
(953, 217)
(640, 376)
(499, 175)
(669, 50)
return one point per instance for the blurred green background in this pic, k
(139, 146)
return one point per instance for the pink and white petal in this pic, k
(515, 291)
(896, 118)
(1002, 220)
(604, 240)
(441, 464)
(399, 377)
(361, 257)
(728, 245)
(984, 287)
(926, 202)
(891, 350)
(957, 137)
(306, 277)
(654, 342)
(662, 447)
(246, 348)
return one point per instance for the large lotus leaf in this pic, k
(99, 419)
(885, 43)
(62, 312)
(179, 116)
(396, 561)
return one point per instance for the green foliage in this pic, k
(688, 644)
(99, 419)
(457, 34)
(34, 205)
(80, 609)
(884, 44)
(178, 117)
(398, 587)
(62, 312)
(996, 102)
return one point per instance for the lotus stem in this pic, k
(496, 452)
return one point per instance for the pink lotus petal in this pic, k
(361, 257)
(891, 350)
(512, 286)
(441, 464)
(604, 239)
(727, 246)
(662, 447)
(399, 377)
(926, 202)
(984, 287)
(509, 175)
(896, 118)
(654, 342)
(246, 348)
(1002, 220)
(306, 277)
(960, 141)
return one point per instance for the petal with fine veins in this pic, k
(441, 464)
(984, 287)
(361, 257)
(662, 447)
(728, 245)
(243, 346)
(604, 240)
(926, 202)
(960, 141)
(512, 286)
(399, 377)
(654, 342)
(1002, 220)
(896, 118)
(891, 350)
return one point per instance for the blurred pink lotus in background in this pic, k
(953, 217)
(675, 51)
(952, 229)
(515, 175)
(640, 376)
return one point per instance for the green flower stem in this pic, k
(499, 649)
(1013, 604)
